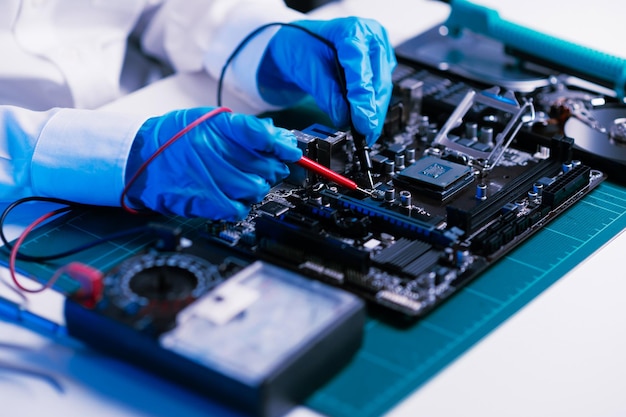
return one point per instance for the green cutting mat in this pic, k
(84, 227)
(395, 361)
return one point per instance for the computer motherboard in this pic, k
(461, 176)
(466, 169)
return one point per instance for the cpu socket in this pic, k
(434, 177)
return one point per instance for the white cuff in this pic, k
(81, 156)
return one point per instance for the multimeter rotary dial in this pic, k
(159, 284)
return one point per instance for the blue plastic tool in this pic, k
(487, 22)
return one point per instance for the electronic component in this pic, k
(435, 177)
(273, 208)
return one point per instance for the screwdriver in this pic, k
(311, 165)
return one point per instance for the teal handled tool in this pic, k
(485, 21)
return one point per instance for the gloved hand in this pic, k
(295, 63)
(216, 170)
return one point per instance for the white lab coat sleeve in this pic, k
(77, 155)
(201, 34)
(64, 53)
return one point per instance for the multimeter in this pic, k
(255, 336)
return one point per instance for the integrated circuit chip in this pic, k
(273, 208)
(436, 177)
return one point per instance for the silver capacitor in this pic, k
(481, 191)
(486, 135)
(390, 195)
(405, 198)
(389, 167)
(409, 156)
(399, 160)
(471, 130)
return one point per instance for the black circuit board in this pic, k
(461, 177)
(462, 174)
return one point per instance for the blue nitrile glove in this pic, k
(296, 63)
(216, 170)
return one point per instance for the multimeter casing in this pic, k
(260, 356)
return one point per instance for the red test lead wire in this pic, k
(170, 141)
(311, 165)
(90, 279)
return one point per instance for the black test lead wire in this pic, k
(360, 143)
